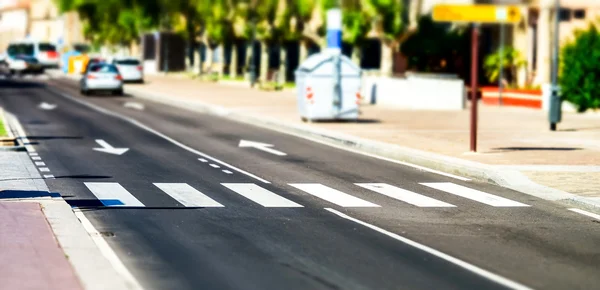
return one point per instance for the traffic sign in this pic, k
(477, 13)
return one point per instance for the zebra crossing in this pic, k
(113, 194)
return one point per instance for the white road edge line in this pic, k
(159, 134)
(586, 213)
(16, 125)
(469, 267)
(107, 251)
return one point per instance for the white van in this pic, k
(45, 52)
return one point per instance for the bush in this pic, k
(580, 70)
(512, 61)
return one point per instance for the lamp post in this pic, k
(554, 114)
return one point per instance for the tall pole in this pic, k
(474, 81)
(334, 46)
(501, 73)
(252, 41)
(554, 114)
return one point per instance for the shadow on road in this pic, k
(53, 137)
(19, 84)
(15, 194)
(507, 149)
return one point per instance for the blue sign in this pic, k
(334, 30)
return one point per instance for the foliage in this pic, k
(580, 73)
(436, 47)
(509, 61)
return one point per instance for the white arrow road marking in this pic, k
(261, 146)
(106, 148)
(47, 107)
(134, 105)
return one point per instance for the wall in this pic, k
(13, 26)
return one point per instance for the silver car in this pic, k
(102, 77)
(131, 69)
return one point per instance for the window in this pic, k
(564, 14)
(20, 49)
(103, 68)
(579, 14)
(127, 62)
(47, 47)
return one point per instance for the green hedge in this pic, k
(580, 70)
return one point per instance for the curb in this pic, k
(512, 179)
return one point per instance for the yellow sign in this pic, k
(477, 13)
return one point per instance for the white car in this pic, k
(45, 52)
(131, 69)
(102, 77)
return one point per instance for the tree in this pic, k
(580, 74)
(387, 19)
(509, 62)
(437, 47)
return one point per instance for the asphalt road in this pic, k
(187, 208)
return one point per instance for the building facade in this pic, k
(38, 20)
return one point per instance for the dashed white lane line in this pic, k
(214, 165)
(39, 163)
(586, 213)
(36, 158)
(227, 171)
(203, 160)
(33, 154)
(44, 169)
(469, 267)
(159, 134)
(107, 251)
(50, 176)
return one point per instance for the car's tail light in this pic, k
(119, 77)
(140, 68)
(91, 77)
(52, 54)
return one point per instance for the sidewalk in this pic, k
(511, 142)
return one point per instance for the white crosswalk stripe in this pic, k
(475, 195)
(113, 194)
(404, 195)
(260, 195)
(187, 195)
(332, 195)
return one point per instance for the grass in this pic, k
(2, 129)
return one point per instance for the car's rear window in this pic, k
(128, 62)
(103, 68)
(47, 47)
(20, 49)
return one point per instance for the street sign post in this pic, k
(334, 46)
(477, 15)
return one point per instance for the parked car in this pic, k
(102, 77)
(45, 52)
(21, 64)
(131, 69)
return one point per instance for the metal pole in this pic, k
(501, 74)
(554, 114)
(474, 81)
(253, 57)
